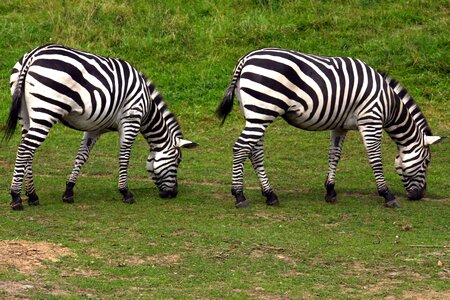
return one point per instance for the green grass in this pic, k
(198, 245)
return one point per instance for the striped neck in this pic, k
(403, 127)
(410, 104)
(159, 127)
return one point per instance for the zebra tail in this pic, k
(13, 117)
(16, 104)
(226, 105)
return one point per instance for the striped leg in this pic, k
(88, 141)
(337, 138)
(127, 135)
(30, 190)
(242, 149)
(257, 159)
(372, 142)
(33, 138)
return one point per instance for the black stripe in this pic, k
(266, 98)
(276, 86)
(261, 110)
(91, 69)
(60, 88)
(47, 111)
(62, 105)
(42, 122)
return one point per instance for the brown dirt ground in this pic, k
(27, 256)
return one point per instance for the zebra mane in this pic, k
(169, 117)
(410, 104)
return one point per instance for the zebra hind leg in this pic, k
(244, 148)
(257, 159)
(23, 167)
(30, 192)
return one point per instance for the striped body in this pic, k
(94, 94)
(325, 93)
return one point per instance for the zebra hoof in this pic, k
(272, 199)
(331, 199)
(128, 198)
(68, 199)
(392, 204)
(16, 205)
(275, 202)
(33, 199)
(242, 204)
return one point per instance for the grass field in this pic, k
(198, 245)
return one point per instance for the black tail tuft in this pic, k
(226, 105)
(13, 114)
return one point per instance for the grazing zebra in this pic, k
(94, 94)
(326, 93)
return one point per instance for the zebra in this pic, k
(339, 94)
(94, 94)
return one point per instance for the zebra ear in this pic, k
(182, 143)
(431, 139)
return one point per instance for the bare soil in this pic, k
(27, 256)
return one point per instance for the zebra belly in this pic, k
(299, 119)
(80, 122)
(296, 118)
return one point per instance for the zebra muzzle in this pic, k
(416, 194)
(168, 193)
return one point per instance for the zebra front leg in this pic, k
(87, 142)
(372, 142)
(127, 135)
(337, 138)
(257, 159)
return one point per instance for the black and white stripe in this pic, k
(339, 94)
(94, 94)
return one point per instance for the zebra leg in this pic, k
(87, 142)
(31, 140)
(257, 159)
(30, 190)
(127, 135)
(372, 142)
(242, 149)
(337, 138)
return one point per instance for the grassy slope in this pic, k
(199, 244)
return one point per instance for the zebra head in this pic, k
(412, 166)
(163, 166)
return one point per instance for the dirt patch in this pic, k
(21, 290)
(164, 260)
(427, 295)
(27, 256)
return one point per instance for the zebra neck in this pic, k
(160, 127)
(403, 128)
